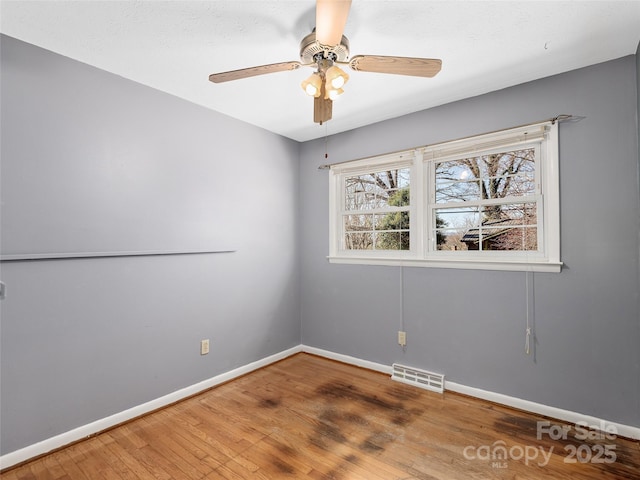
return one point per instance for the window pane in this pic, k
(385, 231)
(393, 241)
(456, 182)
(509, 173)
(486, 177)
(462, 217)
(450, 239)
(381, 190)
(452, 224)
(360, 199)
(358, 241)
(399, 198)
(457, 191)
(394, 231)
(358, 222)
(504, 227)
(512, 238)
(522, 213)
(491, 227)
(519, 185)
(378, 190)
(392, 221)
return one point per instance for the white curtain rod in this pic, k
(558, 118)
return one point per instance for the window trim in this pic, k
(422, 163)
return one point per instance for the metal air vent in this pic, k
(419, 378)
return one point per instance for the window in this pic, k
(489, 201)
(376, 214)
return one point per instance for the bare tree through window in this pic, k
(485, 202)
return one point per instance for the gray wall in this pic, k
(470, 325)
(88, 157)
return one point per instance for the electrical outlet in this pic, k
(402, 338)
(204, 346)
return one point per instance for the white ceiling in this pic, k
(174, 46)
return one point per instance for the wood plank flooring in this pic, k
(311, 418)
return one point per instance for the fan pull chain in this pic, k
(326, 141)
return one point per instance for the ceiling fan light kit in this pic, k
(325, 47)
(333, 78)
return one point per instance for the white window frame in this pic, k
(422, 161)
(337, 199)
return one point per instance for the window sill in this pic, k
(467, 264)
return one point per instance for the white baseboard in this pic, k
(568, 416)
(58, 441)
(378, 367)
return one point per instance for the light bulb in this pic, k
(333, 93)
(337, 82)
(336, 78)
(312, 85)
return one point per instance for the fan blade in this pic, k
(417, 67)
(322, 107)
(331, 18)
(253, 71)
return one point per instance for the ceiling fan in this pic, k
(325, 48)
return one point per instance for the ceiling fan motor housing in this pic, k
(311, 50)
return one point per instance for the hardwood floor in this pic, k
(311, 418)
